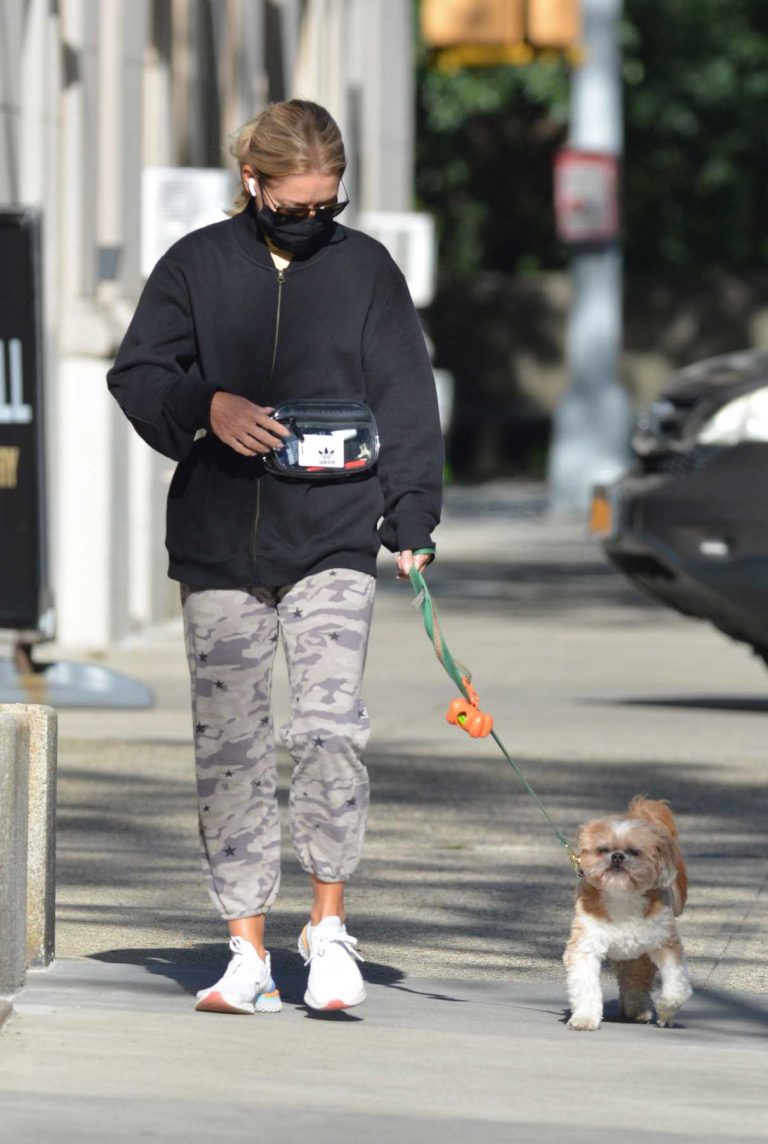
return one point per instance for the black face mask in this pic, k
(300, 237)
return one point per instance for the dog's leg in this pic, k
(635, 980)
(584, 992)
(675, 981)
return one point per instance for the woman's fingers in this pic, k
(245, 427)
(263, 435)
(241, 447)
(405, 560)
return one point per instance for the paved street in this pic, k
(463, 901)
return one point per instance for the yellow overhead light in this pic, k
(489, 33)
(452, 23)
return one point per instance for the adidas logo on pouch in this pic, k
(321, 449)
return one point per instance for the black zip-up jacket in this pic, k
(216, 314)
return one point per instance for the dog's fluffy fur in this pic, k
(633, 886)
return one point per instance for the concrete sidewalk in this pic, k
(463, 901)
(115, 1052)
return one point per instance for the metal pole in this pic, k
(591, 424)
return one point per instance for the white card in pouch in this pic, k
(324, 450)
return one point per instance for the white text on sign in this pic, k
(13, 410)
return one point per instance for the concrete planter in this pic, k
(27, 842)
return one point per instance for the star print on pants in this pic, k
(206, 809)
(333, 636)
(201, 728)
(220, 686)
(318, 741)
(228, 774)
(203, 657)
(263, 722)
(230, 851)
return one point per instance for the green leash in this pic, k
(462, 677)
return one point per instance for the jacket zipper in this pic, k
(280, 282)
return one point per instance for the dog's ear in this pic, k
(679, 887)
(655, 811)
(672, 874)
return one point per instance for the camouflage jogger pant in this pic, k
(231, 636)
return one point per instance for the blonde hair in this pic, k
(290, 138)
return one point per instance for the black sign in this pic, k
(24, 595)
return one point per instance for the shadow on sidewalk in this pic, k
(461, 875)
(553, 587)
(196, 968)
(684, 702)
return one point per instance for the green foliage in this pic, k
(696, 96)
(696, 166)
(486, 138)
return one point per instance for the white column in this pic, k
(11, 25)
(101, 148)
(356, 58)
(149, 472)
(39, 79)
(133, 34)
(157, 125)
(387, 145)
(241, 69)
(84, 505)
(322, 62)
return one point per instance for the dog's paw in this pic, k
(584, 1022)
(665, 1016)
(640, 1013)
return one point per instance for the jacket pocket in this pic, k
(211, 503)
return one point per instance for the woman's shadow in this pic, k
(196, 968)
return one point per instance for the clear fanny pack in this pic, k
(328, 439)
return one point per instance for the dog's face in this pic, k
(620, 855)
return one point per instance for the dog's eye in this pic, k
(634, 853)
(603, 850)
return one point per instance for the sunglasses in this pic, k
(298, 213)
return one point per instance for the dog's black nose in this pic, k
(617, 858)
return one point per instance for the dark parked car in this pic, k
(688, 524)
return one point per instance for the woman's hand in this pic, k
(245, 427)
(405, 560)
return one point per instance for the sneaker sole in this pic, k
(335, 1004)
(218, 1003)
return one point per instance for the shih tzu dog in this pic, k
(633, 884)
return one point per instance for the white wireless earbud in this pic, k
(252, 186)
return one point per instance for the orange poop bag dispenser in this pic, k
(465, 713)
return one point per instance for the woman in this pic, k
(280, 302)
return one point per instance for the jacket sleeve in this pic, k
(156, 379)
(401, 391)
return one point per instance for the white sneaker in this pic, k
(246, 987)
(335, 982)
